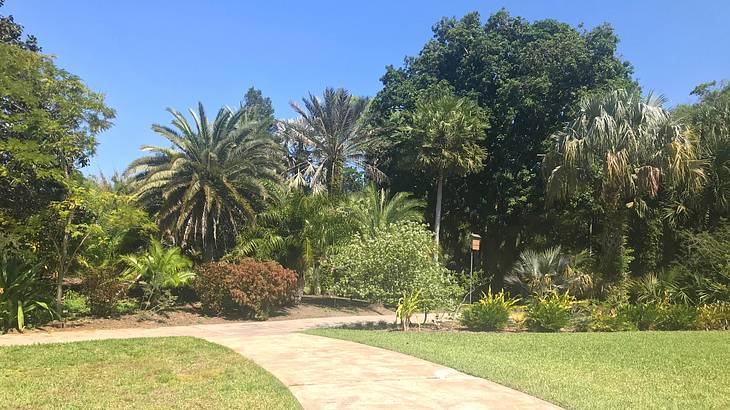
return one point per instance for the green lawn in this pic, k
(176, 372)
(635, 370)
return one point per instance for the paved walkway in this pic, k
(326, 373)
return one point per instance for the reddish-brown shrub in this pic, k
(104, 289)
(249, 286)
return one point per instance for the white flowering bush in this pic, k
(394, 260)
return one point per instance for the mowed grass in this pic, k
(170, 373)
(636, 370)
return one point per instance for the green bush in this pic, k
(104, 288)
(610, 319)
(394, 260)
(490, 313)
(644, 316)
(714, 316)
(75, 304)
(249, 286)
(126, 306)
(407, 306)
(677, 317)
(550, 313)
(22, 294)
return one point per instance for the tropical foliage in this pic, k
(210, 182)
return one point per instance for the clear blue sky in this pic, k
(148, 55)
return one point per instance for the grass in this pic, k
(175, 372)
(636, 370)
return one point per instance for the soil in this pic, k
(192, 314)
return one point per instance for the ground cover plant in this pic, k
(579, 370)
(179, 373)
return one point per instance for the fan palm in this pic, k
(334, 131)
(210, 181)
(627, 146)
(376, 209)
(449, 128)
(541, 273)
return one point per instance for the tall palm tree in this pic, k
(375, 208)
(210, 181)
(623, 147)
(449, 128)
(333, 128)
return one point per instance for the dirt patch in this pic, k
(192, 314)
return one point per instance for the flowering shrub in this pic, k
(249, 286)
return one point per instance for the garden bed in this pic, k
(192, 314)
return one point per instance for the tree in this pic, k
(50, 120)
(527, 77)
(297, 229)
(12, 33)
(375, 208)
(335, 133)
(210, 182)
(448, 128)
(624, 148)
(709, 123)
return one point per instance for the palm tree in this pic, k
(540, 273)
(449, 128)
(297, 230)
(210, 181)
(375, 208)
(335, 132)
(624, 147)
(158, 268)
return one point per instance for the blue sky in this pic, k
(148, 55)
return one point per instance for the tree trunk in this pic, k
(437, 221)
(612, 244)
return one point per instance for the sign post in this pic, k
(474, 247)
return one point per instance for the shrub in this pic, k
(490, 313)
(75, 304)
(126, 306)
(104, 288)
(396, 259)
(407, 306)
(550, 313)
(677, 317)
(157, 271)
(715, 316)
(22, 293)
(645, 316)
(610, 319)
(249, 286)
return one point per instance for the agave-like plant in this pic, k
(627, 147)
(374, 208)
(211, 181)
(21, 293)
(541, 273)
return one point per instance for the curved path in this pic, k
(325, 373)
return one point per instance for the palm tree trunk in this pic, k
(612, 244)
(437, 221)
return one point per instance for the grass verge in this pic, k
(175, 372)
(636, 370)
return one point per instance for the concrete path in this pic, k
(325, 373)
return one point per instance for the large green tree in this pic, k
(210, 182)
(624, 148)
(527, 76)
